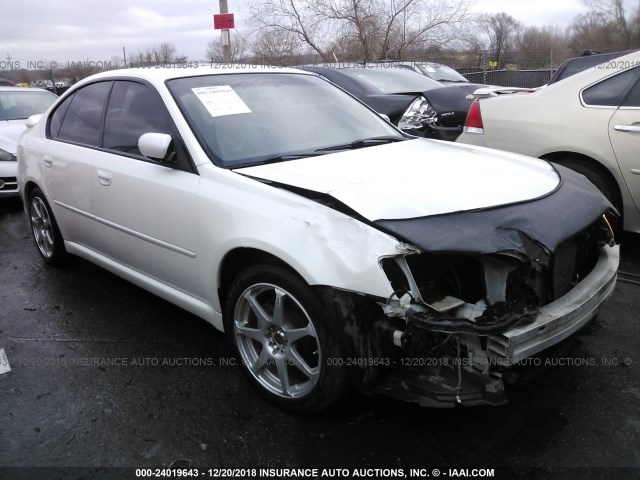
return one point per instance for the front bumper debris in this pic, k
(560, 319)
(476, 375)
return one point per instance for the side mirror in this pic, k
(32, 120)
(156, 146)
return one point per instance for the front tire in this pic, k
(287, 345)
(45, 230)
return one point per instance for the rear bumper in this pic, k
(561, 319)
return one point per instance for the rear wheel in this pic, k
(284, 339)
(45, 229)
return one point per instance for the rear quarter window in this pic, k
(611, 91)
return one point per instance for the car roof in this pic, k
(575, 65)
(159, 75)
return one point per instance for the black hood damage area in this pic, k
(533, 228)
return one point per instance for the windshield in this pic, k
(21, 104)
(393, 80)
(441, 73)
(249, 119)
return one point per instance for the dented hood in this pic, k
(416, 178)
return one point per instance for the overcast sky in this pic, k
(81, 30)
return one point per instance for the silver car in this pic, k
(16, 105)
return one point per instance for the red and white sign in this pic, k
(222, 21)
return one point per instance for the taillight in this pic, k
(473, 123)
(419, 114)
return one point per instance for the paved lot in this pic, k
(61, 405)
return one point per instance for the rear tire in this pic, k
(288, 346)
(45, 230)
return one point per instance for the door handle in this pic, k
(48, 160)
(627, 128)
(104, 178)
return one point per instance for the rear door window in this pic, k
(83, 120)
(611, 91)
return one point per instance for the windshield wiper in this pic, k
(285, 157)
(361, 143)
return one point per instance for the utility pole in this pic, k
(225, 38)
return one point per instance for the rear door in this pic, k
(624, 133)
(71, 147)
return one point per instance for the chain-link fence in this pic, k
(513, 69)
(511, 78)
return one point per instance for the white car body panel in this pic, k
(434, 178)
(72, 202)
(553, 119)
(626, 145)
(10, 131)
(100, 216)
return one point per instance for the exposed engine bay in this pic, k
(460, 322)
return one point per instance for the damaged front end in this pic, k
(461, 323)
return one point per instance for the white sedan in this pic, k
(332, 249)
(16, 105)
(589, 122)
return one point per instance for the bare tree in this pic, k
(238, 48)
(354, 19)
(502, 30)
(424, 24)
(539, 47)
(474, 47)
(275, 47)
(622, 26)
(298, 17)
(157, 55)
(591, 31)
(165, 52)
(377, 27)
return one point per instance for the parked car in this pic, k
(587, 60)
(16, 105)
(333, 249)
(589, 122)
(435, 71)
(413, 102)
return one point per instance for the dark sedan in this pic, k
(415, 103)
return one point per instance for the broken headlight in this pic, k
(419, 114)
